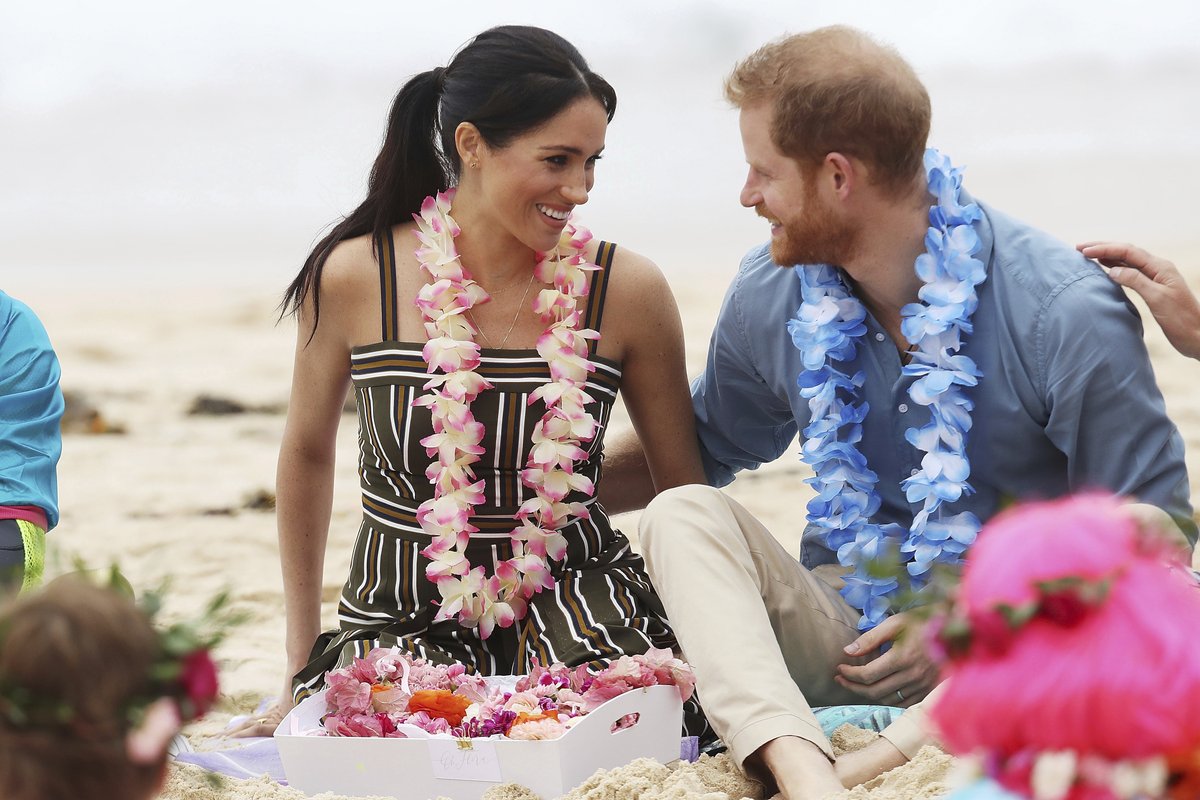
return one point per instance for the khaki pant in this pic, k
(763, 633)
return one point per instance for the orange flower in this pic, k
(440, 703)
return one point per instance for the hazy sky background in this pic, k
(209, 143)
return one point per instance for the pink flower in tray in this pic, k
(347, 694)
(538, 729)
(385, 664)
(389, 699)
(472, 687)
(571, 703)
(431, 724)
(524, 702)
(669, 669)
(604, 689)
(423, 675)
(347, 724)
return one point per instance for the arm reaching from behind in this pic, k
(627, 485)
(1160, 284)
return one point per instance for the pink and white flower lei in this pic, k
(468, 592)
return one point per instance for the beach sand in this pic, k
(179, 496)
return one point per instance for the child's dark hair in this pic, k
(74, 658)
(506, 81)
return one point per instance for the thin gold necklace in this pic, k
(513, 325)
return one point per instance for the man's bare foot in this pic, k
(801, 770)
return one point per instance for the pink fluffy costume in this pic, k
(1073, 658)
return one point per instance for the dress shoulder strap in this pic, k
(598, 288)
(385, 250)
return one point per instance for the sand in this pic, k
(710, 778)
(185, 496)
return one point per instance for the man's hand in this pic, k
(1160, 285)
(901, 676)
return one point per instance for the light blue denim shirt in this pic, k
(1067, 401)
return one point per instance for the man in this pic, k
(1051, 382)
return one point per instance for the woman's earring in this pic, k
(474, 165)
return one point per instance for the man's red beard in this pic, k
(817, 237)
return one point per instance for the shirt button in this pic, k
(903, 408)
(879, 337)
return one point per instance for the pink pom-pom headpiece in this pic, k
(1074, 630)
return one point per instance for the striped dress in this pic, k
(602, 605)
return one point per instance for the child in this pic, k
(91, 694)
(31, 408)
(1074, 660)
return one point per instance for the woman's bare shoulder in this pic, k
(353, 264)
(350, 264)
(635, 280)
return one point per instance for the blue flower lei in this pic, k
(826, 329)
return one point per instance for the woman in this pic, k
(469, 340)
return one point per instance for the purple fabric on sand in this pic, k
(259, 757)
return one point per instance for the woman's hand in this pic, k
(265, 723)
(1160, 284)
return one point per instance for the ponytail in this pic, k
(408, 169)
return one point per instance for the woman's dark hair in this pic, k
(507, 81)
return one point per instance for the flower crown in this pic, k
(1065, 602)
(182, 682)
